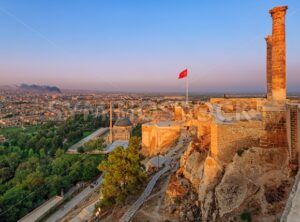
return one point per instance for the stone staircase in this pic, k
(138, 203)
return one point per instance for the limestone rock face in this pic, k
(177, 188)
(254, 181)
(192, 163)
(232, 191)
(211, 175)
(255, 175)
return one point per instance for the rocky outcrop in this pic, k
(254, 183)
(212, 172)
(258, 175)
(181, 201)
(177, 188)
(192, 163)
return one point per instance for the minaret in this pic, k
(269, 66)
(110, 123)
(278, 53)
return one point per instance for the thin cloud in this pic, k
(30, 28)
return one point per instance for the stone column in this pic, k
(278, 53)
(269, 66)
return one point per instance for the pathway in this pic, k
(67, 207)
(139, 202)
(97, 133)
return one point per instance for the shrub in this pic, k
(80, 149)
(246, 216)
(240, 152)
(177, 201)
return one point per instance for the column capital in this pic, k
(278, 9)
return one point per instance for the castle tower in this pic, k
(293, 129)
(278, 53)
(269, 66)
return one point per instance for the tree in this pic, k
(123, 174)
(74, 136)
(59, 166)
(137, 130)
(57, 142)
(30, 153)
(11, 203)
(26, 168)
(134, 144)
(80, 149)
(96, 144)
(34, 167)
(54, 184)
(59, 153)
(76, 171)
(41, 143)
(42, 153)
(89, 169)
(5, 174)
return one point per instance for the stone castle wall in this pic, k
(158, 139)
(293, 135)
(274, 125)
(121, 133)
(227, 139)
(179, 113)
(237, 104)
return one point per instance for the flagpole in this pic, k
(187, 91)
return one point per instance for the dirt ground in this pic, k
(155, 209)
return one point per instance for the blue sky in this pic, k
(142, 45)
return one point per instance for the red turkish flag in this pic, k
(183, 74)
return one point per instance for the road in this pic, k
(67, 207)
(38, 213)
(139, 202)
(97, 133)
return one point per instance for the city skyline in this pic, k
(142, 46)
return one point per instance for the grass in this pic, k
(32, 129)
(87, 133)
(10, 130)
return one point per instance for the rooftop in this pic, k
(117, 143)
(123, 122)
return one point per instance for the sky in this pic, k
(142, 45)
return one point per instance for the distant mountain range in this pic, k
(40, 88)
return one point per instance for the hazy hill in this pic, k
(40, 88)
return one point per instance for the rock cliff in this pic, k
(253, 184)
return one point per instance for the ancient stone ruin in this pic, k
(247, 149)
